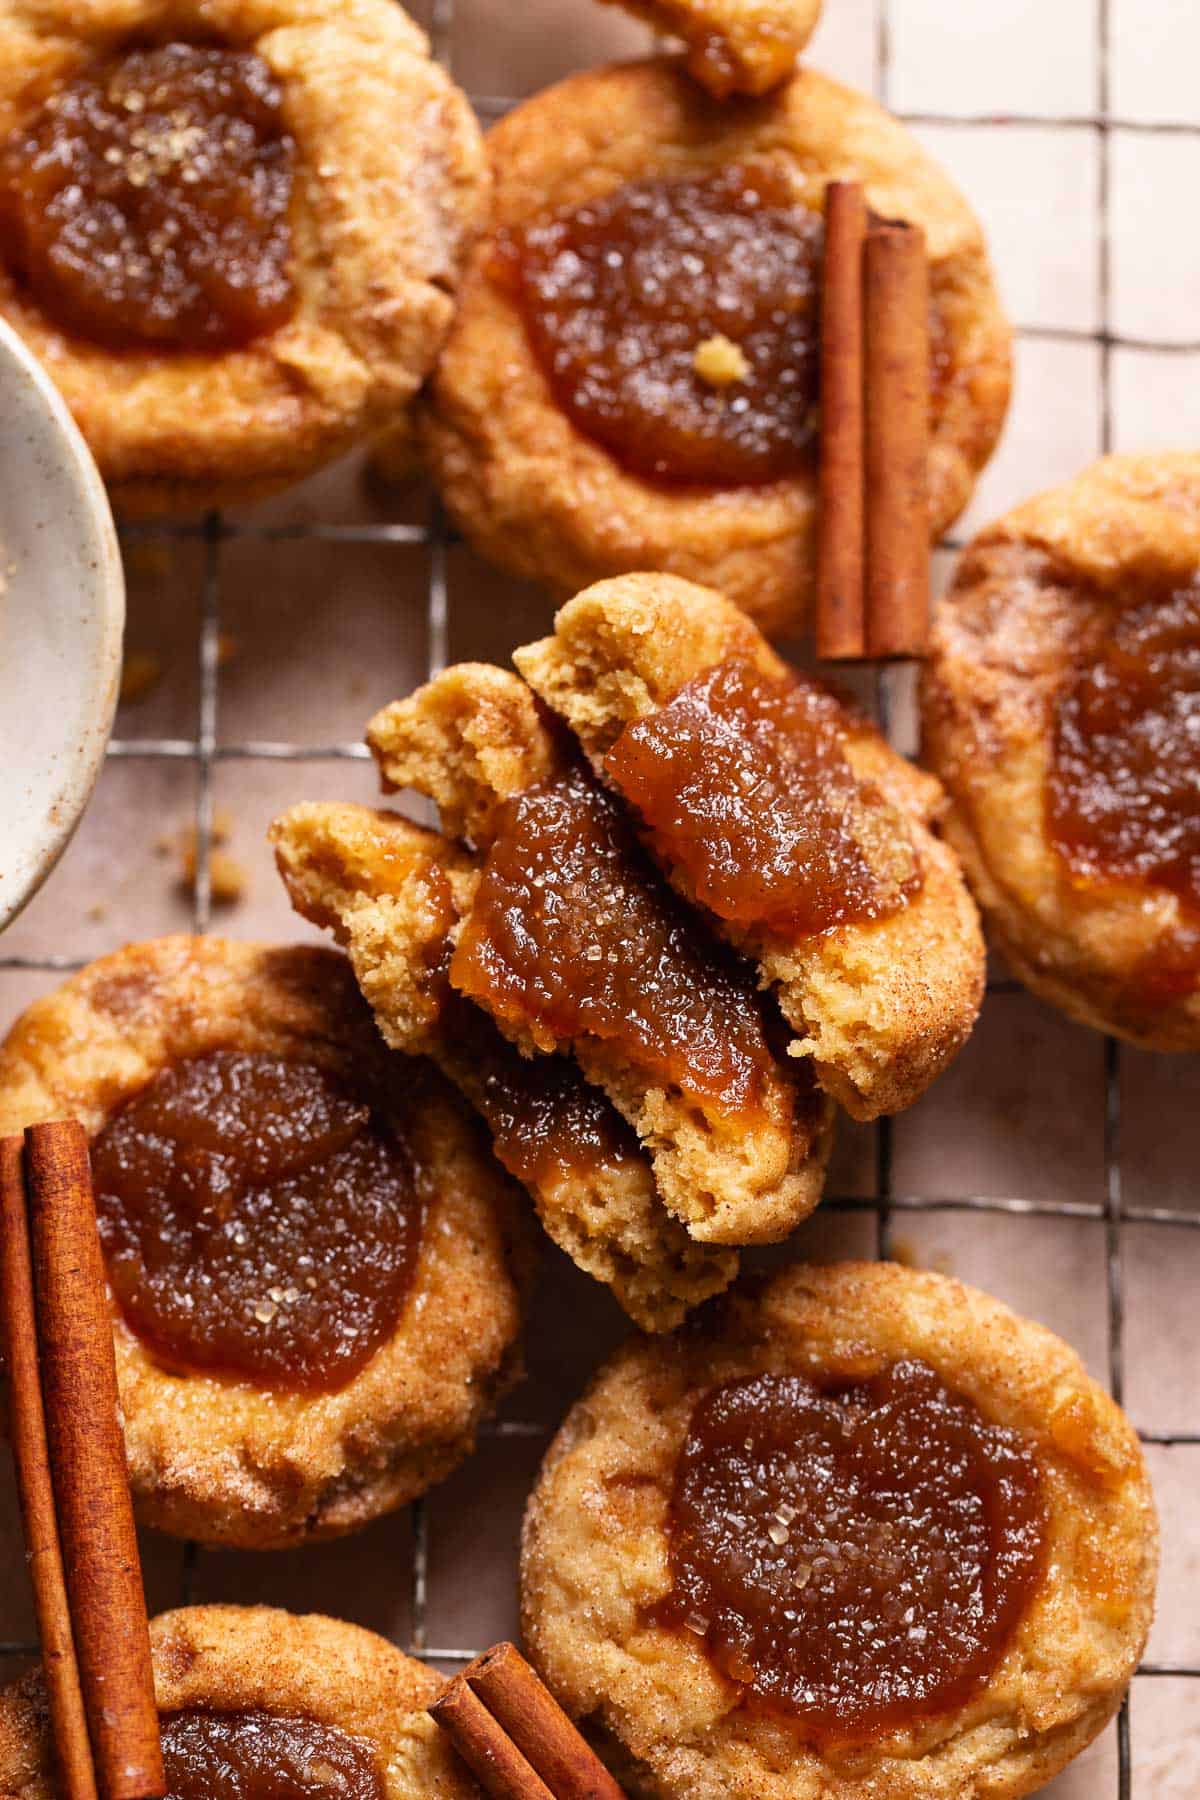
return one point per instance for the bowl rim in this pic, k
(108, 597)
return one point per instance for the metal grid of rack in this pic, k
(204, 752)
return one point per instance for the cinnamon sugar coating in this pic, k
(537, 496)
(224, 1460)
(880, 1005)
(596, 1559)
(389, 188)
(1037, 600)
(259, 1659)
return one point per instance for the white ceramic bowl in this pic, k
(62, 613)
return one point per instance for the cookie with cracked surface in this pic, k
(734, 46)
(393, 894)
(731, 1618)
(248, 1128)
(1060, 706)
(579, 424)
(804, 837)
(574, 943)
(252, 1700)
(230, 231)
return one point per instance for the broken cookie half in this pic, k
(574, 944)
(393, 894)
(791, 824)
(682, 901)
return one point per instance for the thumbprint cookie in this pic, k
(785, 818)
(316, 1267)
(1062, 712)
(259, 1704)
(394, 894)
(734, 46)
(630, 381)
(230, 229)
(866, 1532)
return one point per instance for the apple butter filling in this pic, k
(572, 934)
(744, 786)
(546, 1122)
(259, 1219)
(146, 205)
(257, 1755)
(1123, 789)
(857, 1556)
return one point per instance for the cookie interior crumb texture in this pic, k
(532, 949)
(880, 1006)
(605, 965)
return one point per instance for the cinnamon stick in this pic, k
(896, 387)
(485, 1747)
(520, 1743)
(27, 1431)
(537, 1724)
(87, 1463)
(840, 610)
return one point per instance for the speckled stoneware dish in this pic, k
(62, 611)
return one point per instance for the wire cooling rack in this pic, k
(202, 751)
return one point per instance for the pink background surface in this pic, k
(1052, 117)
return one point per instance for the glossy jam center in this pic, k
(264, 1756)
(545, 1119)
(574, 935)
(618, 295)
(743, 783)
(147, 203)
(858, 1556)
(1124, 787)
(258, 1220)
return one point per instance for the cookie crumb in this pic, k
(720, 362)
(227, 878)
